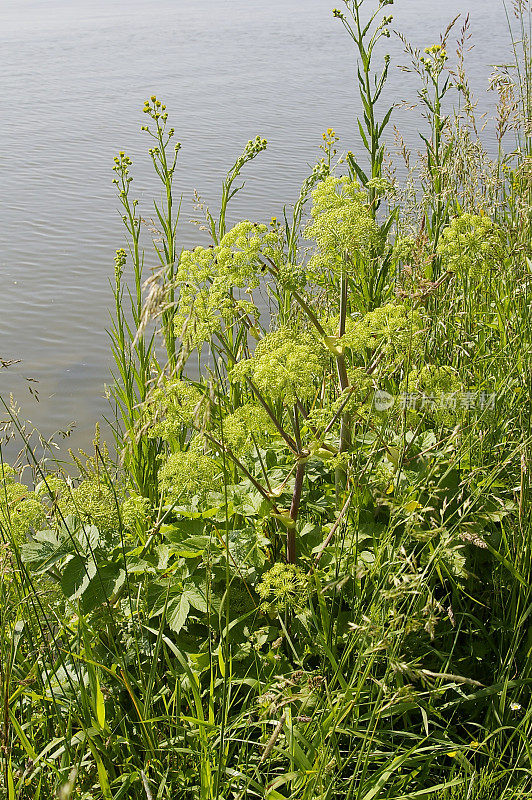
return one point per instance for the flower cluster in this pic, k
(470, 245)
(122, 181)
(135, 511)
(239, 252)
(254, 147)
(341, 225)
(285, 365)
(188, 473)
(395, 329)
(435, 60)
(247, 426)
(434, 384)
(20, 509)
(291, 276)
(51, 488)
(94, 503)
(121, 166)
(283, 588)
(173, 406)
(206, 278)
(120, 262)
(155, 108)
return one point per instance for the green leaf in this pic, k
(196, 597)
(177, 612)
(77, 574)
(46, 549)
(193, 547)
(103, 777)
(106, 582)
(88, 537)
(183, 529)
(99, 705)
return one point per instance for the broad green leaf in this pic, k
(89, 538)
(192, 547)
(77, 574)
(102, 587)
(46, 549)
(196, 597)
(183, 529)
(177, 612)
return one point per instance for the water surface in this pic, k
(74, 76)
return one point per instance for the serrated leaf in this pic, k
(106, 582)
(177, 612)
(192, 547)
(89, 537)
(163, 553)
(183, 529)
(196, 597)
(245, 550)
(45, 550)
(77, 574)
(136, 565)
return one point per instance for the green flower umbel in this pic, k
(284, 587)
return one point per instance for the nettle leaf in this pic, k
(49, 546)
(221, 512)
(105, 583)
(139, 566)
(89, 537)
(163, 591)
(77, 574)
(163, 553)
(254, 505)
(178, 597)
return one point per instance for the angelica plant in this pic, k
(471, 246)
(366, 33)
(309, 575)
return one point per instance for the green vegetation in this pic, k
(309, 574)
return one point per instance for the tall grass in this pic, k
(310, 574)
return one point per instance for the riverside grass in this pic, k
(309, 575)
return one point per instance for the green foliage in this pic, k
(283, 588)
(286, 589)
(471, 246)
(341, 225)
(286, 365)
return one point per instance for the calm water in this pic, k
(74, 76)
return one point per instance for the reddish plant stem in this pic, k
(291, 555)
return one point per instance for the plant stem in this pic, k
(291, 554)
